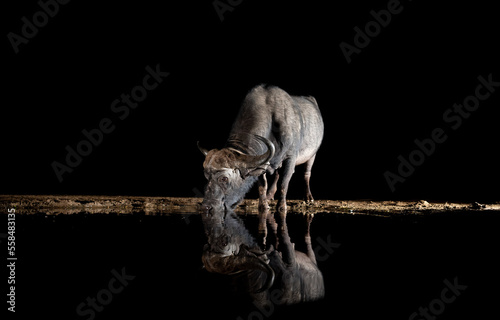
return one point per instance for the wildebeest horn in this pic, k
(252, 262)
(255, 161)
(203, 150)
(258, 264)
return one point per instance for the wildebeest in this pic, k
(279, 275)
(273, 132)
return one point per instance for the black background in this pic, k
(396, 90)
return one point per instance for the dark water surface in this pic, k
(374, 268)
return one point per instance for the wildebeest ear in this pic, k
(243, 172)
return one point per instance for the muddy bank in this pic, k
(57, 204)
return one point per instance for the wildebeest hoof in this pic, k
(282, 208)
(264, 208)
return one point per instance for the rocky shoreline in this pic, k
(73, 204)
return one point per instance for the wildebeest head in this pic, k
(231, 171)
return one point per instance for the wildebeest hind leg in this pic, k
(307, 175)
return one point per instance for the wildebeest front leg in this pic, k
(272, 190)
(287, 172)
(263, 204)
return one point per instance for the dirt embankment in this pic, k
(56, 204)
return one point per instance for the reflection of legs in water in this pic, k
(310, 251)
(263, 210)
(287, 248)
(274, 228)
(263, 217)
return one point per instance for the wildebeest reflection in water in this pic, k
(279, 275)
